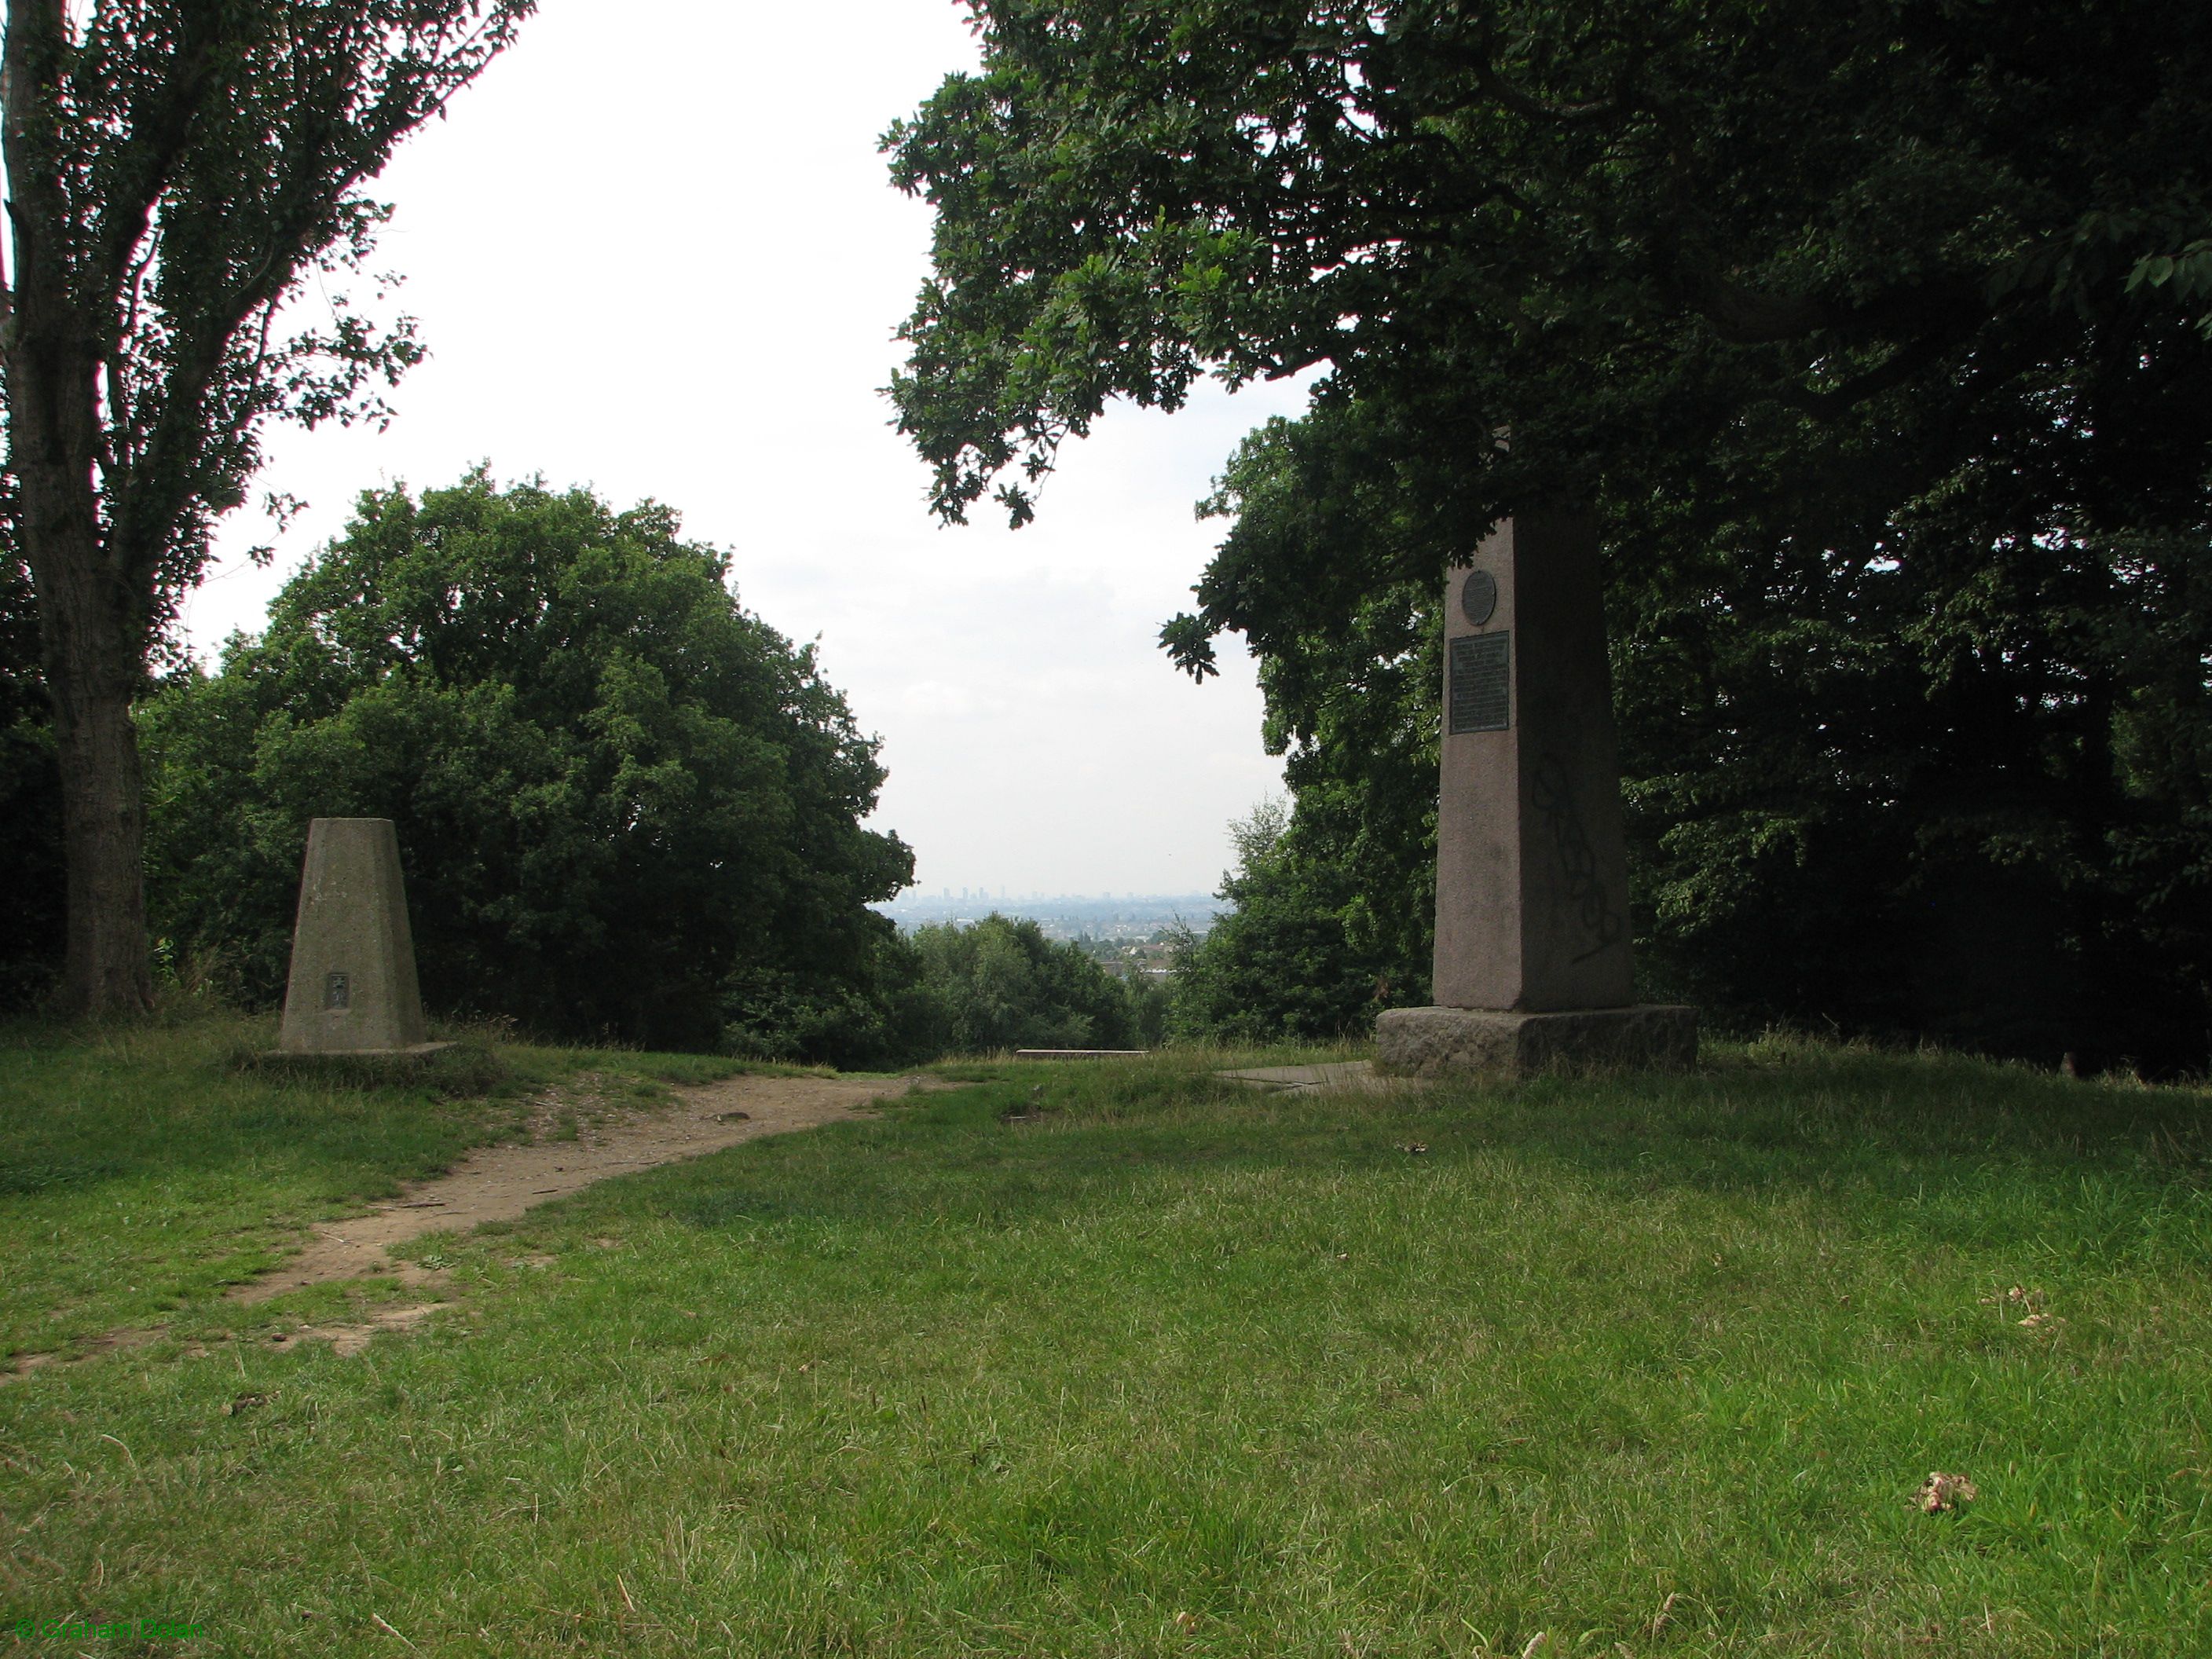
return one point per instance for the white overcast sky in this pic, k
(654, 251)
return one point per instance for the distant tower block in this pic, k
(352, 988)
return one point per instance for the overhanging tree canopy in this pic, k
(1607, 228)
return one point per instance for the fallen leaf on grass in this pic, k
(2031, 1305)
(1186, 1622)
(1941, 1491)
(244, 1403)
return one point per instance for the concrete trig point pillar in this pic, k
(1533, 964)
(352, 988)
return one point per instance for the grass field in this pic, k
(1579, 1366)
(144, 1169)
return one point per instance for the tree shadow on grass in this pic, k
(1773, 1111)
(1946, 1148)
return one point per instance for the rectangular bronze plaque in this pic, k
(1480, 685)
(337, 992)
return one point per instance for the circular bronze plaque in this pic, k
(1478, 597)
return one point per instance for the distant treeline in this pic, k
(1913, 800)
(628, 809)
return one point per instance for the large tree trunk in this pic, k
(94, 672)
(93, 610)
(92, 625)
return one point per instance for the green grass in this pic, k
(1651, 1364)
(144, 1170)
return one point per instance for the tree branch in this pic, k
(1893, 370)
(1532, 108)
(37, 210)
(1743, 316)
(158, 132)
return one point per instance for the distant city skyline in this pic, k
(1060, 915)
(986, 893)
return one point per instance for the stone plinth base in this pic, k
(1438, 1042)
(412, 1051)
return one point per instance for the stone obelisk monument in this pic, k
(352, 988)
(1532, 959)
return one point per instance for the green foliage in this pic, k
(627, 807)
(874, 1016)
(182, 172)
(2186, 276)
(1295, 960)
(1958, 792)
(1600, 229)
(1001, 984)
(1150, 1008)
(1865, 332)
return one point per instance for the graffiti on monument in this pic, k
(1555, 800)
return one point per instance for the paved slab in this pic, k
(1352, 1076)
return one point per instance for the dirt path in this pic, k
(499, 1183)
